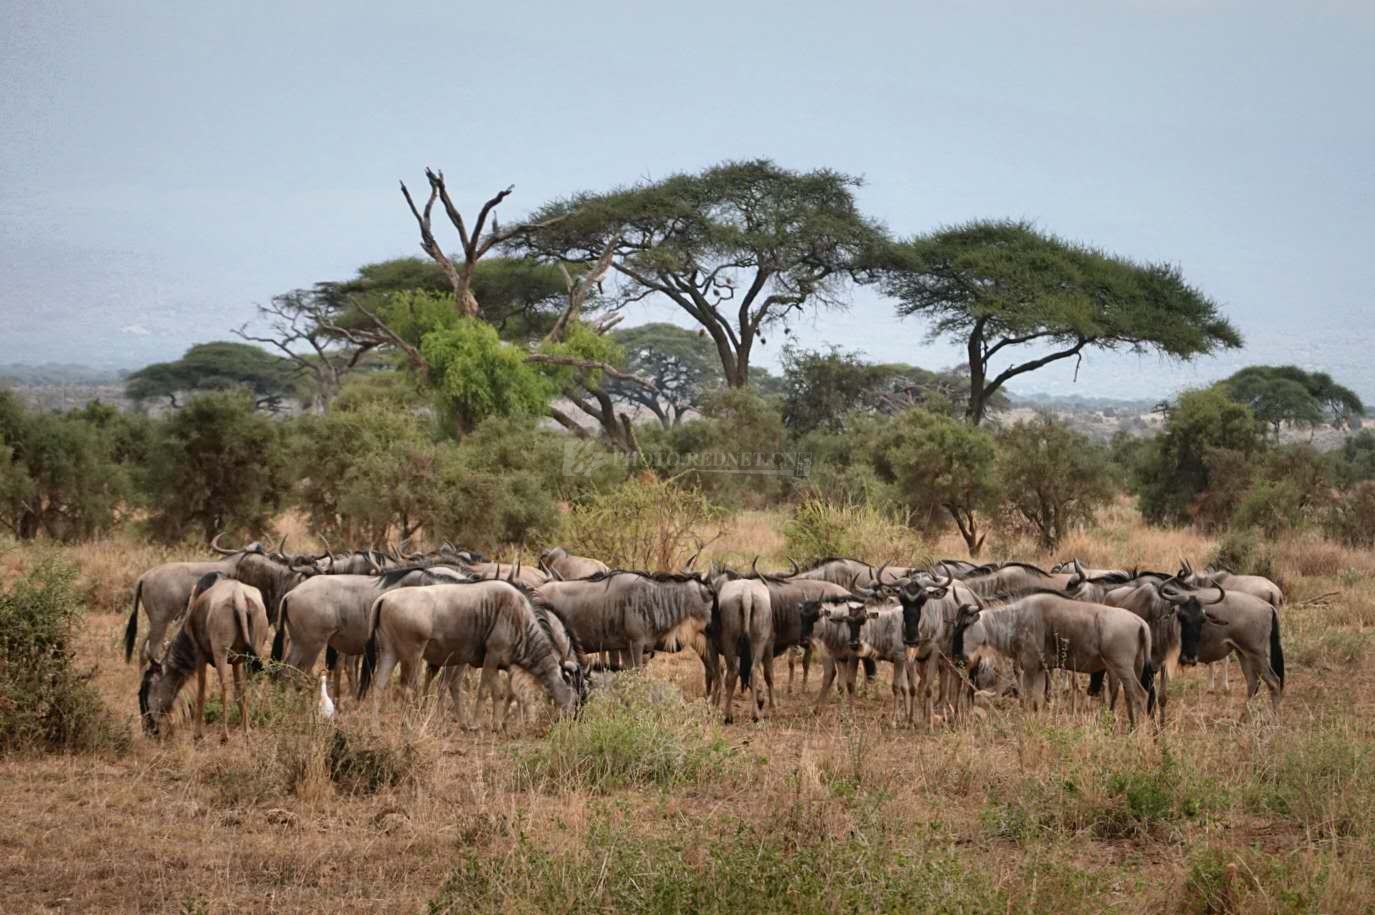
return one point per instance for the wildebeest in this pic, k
(930, 611)
(163, 591)
(1046, 630)
(634, 612)
(523, 575)
(331, 611)
(225, 616)
(487, 624)
(1013, 579)
(742, 633)
(836, 622)
(786, 597)
(1255, 585)
(1233, 621)
(559, 563)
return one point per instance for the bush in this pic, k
(218, 465)
(1052, 476)
(45, 703)
(637, 731)
(1351, 518)
(820, 529)
(1243, 551)
(648, 523)
(1270, 506)
(1174, 473)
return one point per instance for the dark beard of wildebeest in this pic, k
(226, 624)
(486, 624)
(331, 612)
(1047, 630)
(634, 612)
(163, 591)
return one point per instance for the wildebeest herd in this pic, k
(953, 633)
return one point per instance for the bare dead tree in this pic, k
(474, 243)
(301, 329)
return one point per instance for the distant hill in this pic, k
(58, 373)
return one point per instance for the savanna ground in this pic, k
(648, 803)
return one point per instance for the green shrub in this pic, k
(1270, 506)
(45, 702)
(820, 529)
(637, 731)
(1244, 551)
(1055, 478)
(648, 523)
(737, 868)
(1351, 518)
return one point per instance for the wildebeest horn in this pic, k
(281, 544)
(754, 565)
(1221, 596)
(215, 545)
(879, 577)
(796, 568)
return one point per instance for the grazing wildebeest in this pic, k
(559, 563)
(331, 612)
(741, 631)
(225, 616)
(634, 612)
(1234, 621)
(163, 591)
(487, 624)
(1047, 630)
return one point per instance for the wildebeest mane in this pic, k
(662, 577)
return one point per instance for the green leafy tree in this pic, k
(217, 465)
(1175, 473)
(1354, 462)
(740, 247)
(997, 286)
(477, 375)
(1287, 394)
(937, 466)
(218, 366)
(1052, 476)
(682, 364)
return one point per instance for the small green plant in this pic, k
(648, 523)
(46, 703)
(637, 731)
(820, 529)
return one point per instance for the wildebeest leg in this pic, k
(767, 665)
(793, 653)
(806, 665)
(1162, 695)
(1135, 692)
(759, 676)
(199, 731)
(1033, 687)
(727, 688)
(242, 693)
(851, 674)
(491, 682)
(828, 675)
(222, 672)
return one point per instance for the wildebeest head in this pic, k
(1187, 607)
(836, 609)
(152, 676)
(914, 598)
(968, 615)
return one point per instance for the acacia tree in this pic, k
(1279, 394)
(218, 366)
(681, 363)
(740, 247)
(998, 286)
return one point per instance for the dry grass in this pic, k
(1056, 812)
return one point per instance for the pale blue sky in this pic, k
(167, 165)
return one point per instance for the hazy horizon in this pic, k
(167, 168)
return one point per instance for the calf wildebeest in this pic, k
(163, 591)
(224, 616)
(331, 611)
(634, 612)
(1234, 621)
(487, 624)
(741, 632)
(1047, 630)
(559, 563)
(837, 623)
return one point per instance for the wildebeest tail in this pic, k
(1276, 650)
(255, 663)
(744, 651)
(370, 649)
(131, 630)
(1148, 681)
(279, 640)
(1096, 682)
